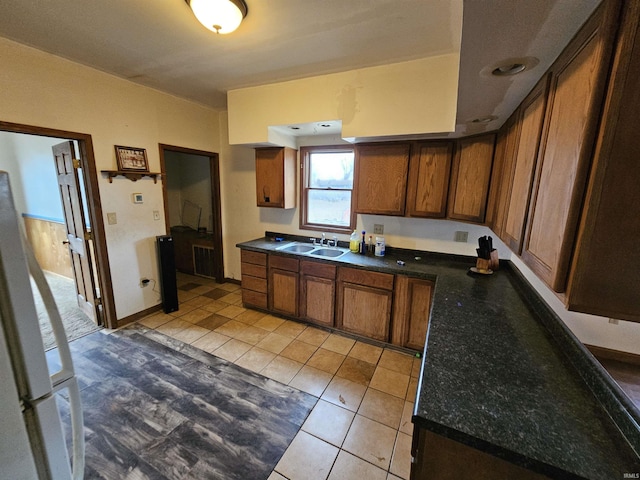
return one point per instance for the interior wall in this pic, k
(41, 89)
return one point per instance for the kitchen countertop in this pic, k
(502, 373)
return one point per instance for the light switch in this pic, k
(111, 218)
(156, 215)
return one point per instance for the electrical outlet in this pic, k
(112, 219)
(378, 229)
(156, 215)
(461, 236)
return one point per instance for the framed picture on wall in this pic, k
(132, 159)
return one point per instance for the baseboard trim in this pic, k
(617, 355)
(137, 316)
(233, 280)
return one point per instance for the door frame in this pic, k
(90, 184)
(216, 210)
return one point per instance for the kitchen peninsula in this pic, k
(503, 383)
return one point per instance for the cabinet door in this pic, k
(470, 177)
(283, 292)
(525, 161)
(317, 292)
(364, 310)
(578, 79)
(428, 185)
(381, 178)
(501, 175)
(276, 177)
(411, 310)
(317, 297)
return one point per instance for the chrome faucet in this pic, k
(333, 242)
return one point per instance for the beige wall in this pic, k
(414, 97)
(40, 89)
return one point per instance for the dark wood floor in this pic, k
(152, 412)
(627, 375)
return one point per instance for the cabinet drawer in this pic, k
(283, 263)
(256, 299)
(253, 270)
(316, 269)
(255, 284)
(364, 277)
(256, 258)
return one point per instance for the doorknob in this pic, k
(65, 242)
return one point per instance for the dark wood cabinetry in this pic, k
(436, 456)
(428, 184)
(254, 278)
(381, 178)
(577, 83)
(531, 114)
(605, 272)
(276, 177)
(317, 292)
(283, 285)
(470, 177)
(411, 310)
(363, 303)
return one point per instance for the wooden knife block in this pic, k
(492, 263)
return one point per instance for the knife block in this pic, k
(494, 261)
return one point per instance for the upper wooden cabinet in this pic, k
(605, 272)
(428, 184)
(470, 177)
(525, 156)
(381, 178)
(276, 177)
(503, 160)
(577, 82)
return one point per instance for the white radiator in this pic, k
(203, 261)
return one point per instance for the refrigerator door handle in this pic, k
(65, 378)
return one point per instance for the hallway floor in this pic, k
(360, 426)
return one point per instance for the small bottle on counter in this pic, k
(370, 246)
(363, 243)
(380, 246)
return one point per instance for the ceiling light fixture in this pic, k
(509, 69)
(220, 16)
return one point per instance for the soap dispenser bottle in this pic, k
(354, 242)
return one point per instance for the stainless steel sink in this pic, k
(297, 248)
(328, 252)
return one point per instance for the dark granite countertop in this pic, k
(502, 374)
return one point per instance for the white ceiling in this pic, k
(159, 43)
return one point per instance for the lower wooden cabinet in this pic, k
(317, 292)
(435, 456)
(254, 278)
(283, 285)
(411, 310)
(363, 303)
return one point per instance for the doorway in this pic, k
(191, 193)
(103, 307)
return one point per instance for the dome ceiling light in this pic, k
(509, 69)
(220, 16)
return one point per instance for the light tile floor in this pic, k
(360, 427)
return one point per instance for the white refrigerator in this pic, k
(32, 442)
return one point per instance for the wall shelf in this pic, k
(133, 176)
